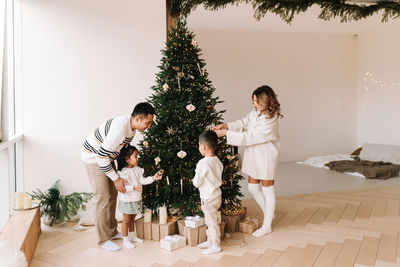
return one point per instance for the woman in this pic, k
(258, 133)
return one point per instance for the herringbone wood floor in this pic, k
(344, 228)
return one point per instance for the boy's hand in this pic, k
(138, 188)
(120, 185)
(221, 133)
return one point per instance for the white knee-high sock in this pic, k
(258, 195)
(269, 195)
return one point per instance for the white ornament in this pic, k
(190, 107)
(146, 144)
(165, 87)
(181, 154)
(157, 160)
(194, 43)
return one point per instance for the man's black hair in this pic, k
(143, 109)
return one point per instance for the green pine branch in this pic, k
(287, 9)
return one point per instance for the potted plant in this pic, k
(56, 207)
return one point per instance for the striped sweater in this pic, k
(103, 145)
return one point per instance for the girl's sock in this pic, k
(127, 243)
(256, 192)
(269, 195)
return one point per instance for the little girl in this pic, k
(130, 203)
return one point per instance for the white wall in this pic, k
(83, 62)
(313, 74)
(378, 108)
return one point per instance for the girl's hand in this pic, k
(220, 127)
(157, 176)
(221, 133)
(138, 188)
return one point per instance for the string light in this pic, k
(369, 78)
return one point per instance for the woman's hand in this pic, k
(221, 133)
(220, 126)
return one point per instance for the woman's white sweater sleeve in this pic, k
(258, 135)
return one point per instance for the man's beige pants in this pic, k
(210, 209)
(104, 200)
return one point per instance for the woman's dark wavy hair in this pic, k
(268, 99)
(125, 153)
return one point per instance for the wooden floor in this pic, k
(344, 228)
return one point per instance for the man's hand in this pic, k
(120, 185)
(221, 133)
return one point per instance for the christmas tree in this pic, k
(185, 107)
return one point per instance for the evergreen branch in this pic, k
(287, 9)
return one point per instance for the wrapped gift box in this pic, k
(232, 221)
(154, 230)
(197, 235)
(249, 225)
(194, 222)
(173, 242)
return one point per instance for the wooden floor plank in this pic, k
(350, 212)
(392, 207)
(387, 248)
(308, 256)
(328, 254)
(368, 251)
(268, 258)
(320, 215)
(379, 208)
(182, 263)
(348, 254)
(304, 217)
(365, 210)
(335, 214)
(288, 257)
(286, 221)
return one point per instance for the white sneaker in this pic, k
(212, 250)
(128, 243)
(204, 245)
(110, 246)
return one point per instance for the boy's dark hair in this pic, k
(125, 152)
(209, 138)
(143, 109)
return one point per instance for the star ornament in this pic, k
(170, 130)
(181, 154)
(194, 43)
(190, 107)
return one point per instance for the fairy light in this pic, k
(369, 78)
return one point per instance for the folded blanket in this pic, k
(370, 169)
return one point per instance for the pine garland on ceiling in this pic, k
(287, 9)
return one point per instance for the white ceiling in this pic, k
(241, 18)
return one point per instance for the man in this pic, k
(99, 151)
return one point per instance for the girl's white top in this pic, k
(208, 177)
(260, 137)
(133, 177)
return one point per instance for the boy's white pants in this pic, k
(210, 209)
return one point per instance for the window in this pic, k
(11, 147)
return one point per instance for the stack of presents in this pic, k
(175, 232)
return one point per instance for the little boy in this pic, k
(208, 180)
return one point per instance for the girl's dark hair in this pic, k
(126, 151)
(267, 98)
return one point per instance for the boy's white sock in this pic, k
(110, 246)
(269, 194)
(133, 237)
(127, 243)
(258, 195)
(206, 244)
(212, 250)
(117, 236)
